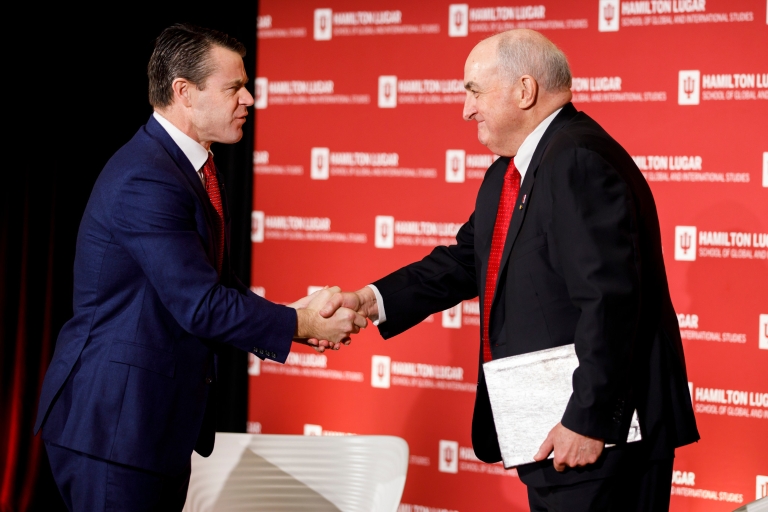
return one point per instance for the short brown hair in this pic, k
(181, 51)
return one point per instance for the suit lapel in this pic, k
(521, 208)
(158, 133)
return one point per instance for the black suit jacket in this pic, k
(582, 264)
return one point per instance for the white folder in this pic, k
(529, 394)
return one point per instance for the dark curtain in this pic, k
(75, 91)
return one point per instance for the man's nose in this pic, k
(469, 107)
(246, 98)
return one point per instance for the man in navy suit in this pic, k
(127, 396)
(563, 247)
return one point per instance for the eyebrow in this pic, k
(470, 85)
(237, 82)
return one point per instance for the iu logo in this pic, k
(458, 20)
(688, 87)
(454, 165)
(685, 243)
(608, 17)
(452, 317)
(260, 101)
(312, 430)
(254, 365)
(323, 24)
(690, 390)
(380, 371)
(387, 91)
(765, 169)
(763, 332)
(384, 237)
(257, 227)
(319, 167)
(762, 487)
(449, 456)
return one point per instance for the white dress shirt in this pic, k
(522, 161)
(193, 150)
(527, 148)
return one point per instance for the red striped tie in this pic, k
(509, 193)
(214, 194)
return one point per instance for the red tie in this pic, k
(504, 214)
(214, 194)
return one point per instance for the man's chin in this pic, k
(482, 140)
(233, 138)
(493, 148)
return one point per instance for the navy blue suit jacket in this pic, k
(130, 378)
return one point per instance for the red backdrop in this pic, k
(363, 163)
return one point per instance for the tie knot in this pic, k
(208, 168)
(512, 172)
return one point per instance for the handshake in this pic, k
(328, 317)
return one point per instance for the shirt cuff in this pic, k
(380, 303)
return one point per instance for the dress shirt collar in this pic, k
(527, 148)
(193, 150)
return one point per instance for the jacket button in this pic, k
(208, 380)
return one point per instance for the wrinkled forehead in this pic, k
(485, 51)
(482, 61)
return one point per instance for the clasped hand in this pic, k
(339, 308)
(329, 330)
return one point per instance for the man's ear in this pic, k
(529, 91)
(181, 91)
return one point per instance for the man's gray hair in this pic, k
(535, 56)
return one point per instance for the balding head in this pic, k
(514, 80)
(527, 52)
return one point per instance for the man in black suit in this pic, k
(563, 247)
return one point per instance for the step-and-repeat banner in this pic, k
(363, 164)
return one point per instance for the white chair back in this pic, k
(279, 473)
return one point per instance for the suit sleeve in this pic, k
(154, 220)
(595, 233)
(439, 281)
